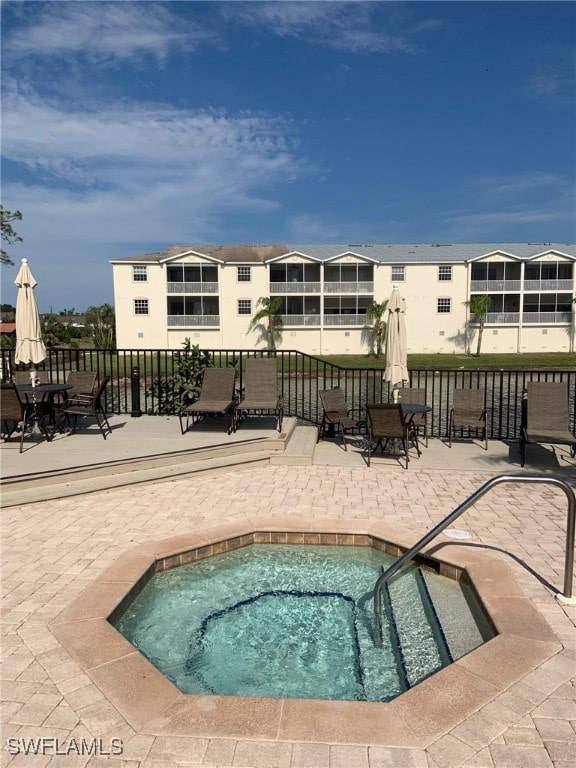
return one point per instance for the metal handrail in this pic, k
(411, 553)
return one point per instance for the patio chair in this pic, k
(82, 405)
(83, 383)
(216, 396)
(547, 416)
(468, 412)
(260, 390)
(416, 396)
(23, 377)
(336, 414)
(386, 422)
(17, 412)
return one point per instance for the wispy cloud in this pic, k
(347, 26)
(101, 32)
(503, 203)
(553, 80)
(145, 172)
(126, 146)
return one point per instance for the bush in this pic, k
(175, 392)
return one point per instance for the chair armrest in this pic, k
(79, 399)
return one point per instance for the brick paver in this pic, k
(52, 550)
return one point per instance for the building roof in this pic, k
(382, 253)
(8, 328)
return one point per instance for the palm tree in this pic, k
(101, 323)
(375, 313)
(269, 311)
(479, 307)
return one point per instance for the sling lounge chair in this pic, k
(260, 390)
(336, 414)
(387, 422)
(547, 416)
(216, 396)
(468, 412)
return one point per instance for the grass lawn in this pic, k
(510, 362)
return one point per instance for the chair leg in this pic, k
(450, 429)
(405, 444)
(343, 437)
(522, 449)
(105, 420)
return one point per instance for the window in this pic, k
(398, 274)
(444, 306)
(244, 274)
(140, 274)
(444, 273)
(244, 306)
(140, 306)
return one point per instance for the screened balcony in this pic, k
(348, 278)
(294, 278)
(192, 279)
(193, 311)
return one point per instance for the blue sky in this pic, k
(131, 126)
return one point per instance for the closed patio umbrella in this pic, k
(396, 370)
(29, 345)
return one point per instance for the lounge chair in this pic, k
(416, 396)
(216, 396)
(336, 414)
(82, 405)
(387, 422)
(547, 416)
(468, 412)
(260, 390)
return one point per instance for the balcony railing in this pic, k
(548, 285)
(484, 286)
(193, 288)
(186, 321)
(499, 318)
(345, 320)
(300, 320)
(547, 318)
(295, 287)
(364, 286)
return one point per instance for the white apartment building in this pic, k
(209, 295)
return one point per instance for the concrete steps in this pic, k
(300, 448)
(74, 480)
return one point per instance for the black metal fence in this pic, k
(301, 377)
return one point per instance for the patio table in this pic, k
(40, 396)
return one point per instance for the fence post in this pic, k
(136, 411)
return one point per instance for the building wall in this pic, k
(428, 330)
